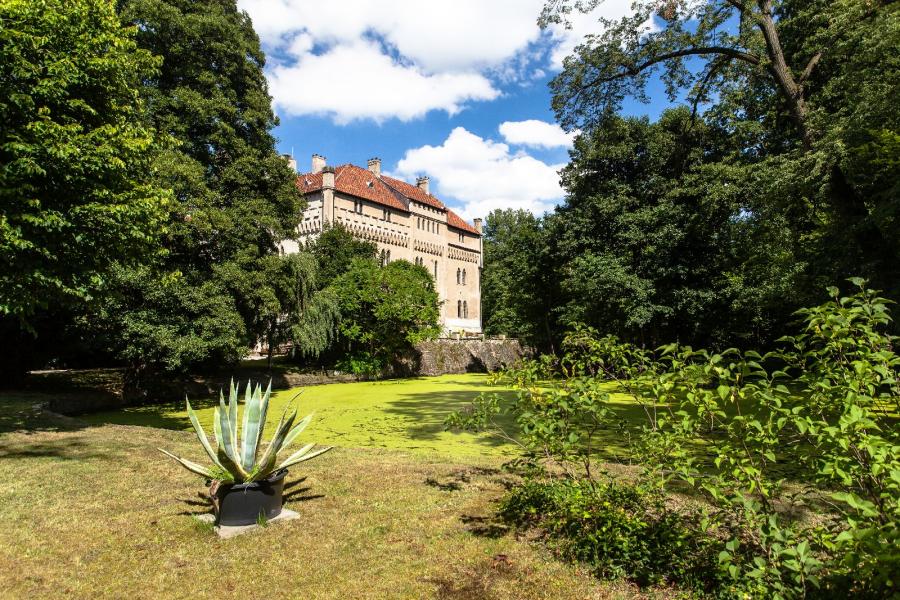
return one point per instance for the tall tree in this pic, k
(75, 152)
(235, 196)
(335, 250)
(385, 311)
(658, 239)
(75, 157)
(804, 88)
(518, 286)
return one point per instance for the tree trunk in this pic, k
(793, 91)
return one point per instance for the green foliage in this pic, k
(516, 289)
(235, 196)
(336, 249)
(169, 324)
(788, 180)
(75, 154)
(618, 529)
(765, 440)
(236, 458)
(385, 310)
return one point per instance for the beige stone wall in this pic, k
(422, 235)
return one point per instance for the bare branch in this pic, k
(721, 50)
(810, 66)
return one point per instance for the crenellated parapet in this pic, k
(376, 234)
(428, 247)
(457, 253)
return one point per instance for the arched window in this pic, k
(464, 277)
(465, 309)
(458, 276)
(459, 308)
(435, 270)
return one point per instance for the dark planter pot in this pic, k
(243, 503)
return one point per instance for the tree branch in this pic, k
(721, 50)
(810, 66)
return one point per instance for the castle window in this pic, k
(462, 238)
(465, 309)
(435, 270)
(464, 277)
(458, 277)
(459, 309)
(357, 206)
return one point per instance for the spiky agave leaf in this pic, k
(263, 413)
(252, 428)
(267, 462)
(227, 437)
(191, 466)
(224, 460)
(233, 417)
(301, 455)
(201, 435)
(297, 430)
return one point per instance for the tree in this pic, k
(802, 92)
(659, 237)
(619, 62)
(76, 152)
(288, 303)
(517, 284)
(236, 198)
(385, 311)
(335, 250)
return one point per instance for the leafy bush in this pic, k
(795, 454)
(619, 529)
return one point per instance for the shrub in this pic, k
(619, 529)
(795, 454)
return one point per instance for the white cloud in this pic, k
(357, 80)
(433, 55)
(483, 175)
(564, 40)
(538, 134)
(438, 36)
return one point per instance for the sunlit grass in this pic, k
(406, 414)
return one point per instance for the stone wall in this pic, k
(440, 357)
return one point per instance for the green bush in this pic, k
(619, 529)
(794, 456)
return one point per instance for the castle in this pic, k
(405, 222)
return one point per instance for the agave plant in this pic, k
(236, 458)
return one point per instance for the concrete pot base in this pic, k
(229, 531)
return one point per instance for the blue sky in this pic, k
(456, 91)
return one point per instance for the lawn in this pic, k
(405, 414)
(92, 510)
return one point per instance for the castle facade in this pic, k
(406, 222)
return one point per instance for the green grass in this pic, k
(405, 414)
(93, 510)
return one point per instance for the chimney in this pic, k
(291, 162)
(318, 163)
(328, 177)
(422, 183)
(374, 165)
(477, 225)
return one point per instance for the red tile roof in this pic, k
(384, 190)
(356, 181)
(413, 192)
(457, 222)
